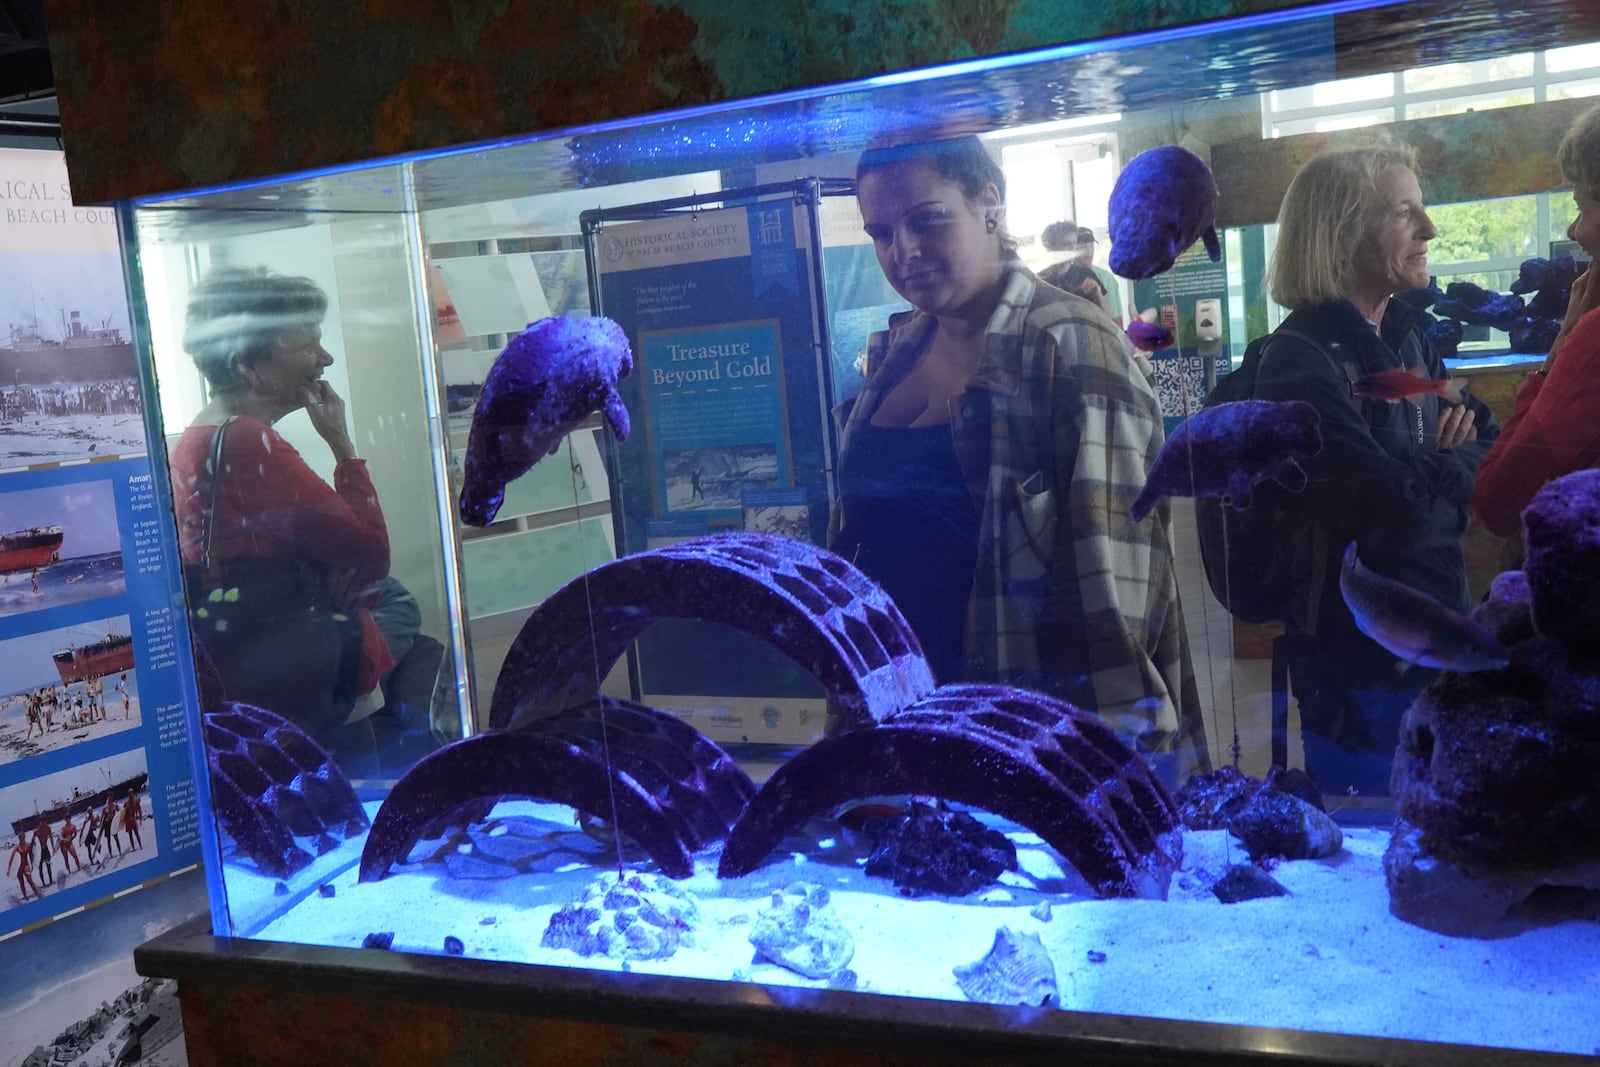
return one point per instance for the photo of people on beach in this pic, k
(59, 544)
(64, 829)
(67, 685)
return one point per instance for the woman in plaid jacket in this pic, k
(988, 463)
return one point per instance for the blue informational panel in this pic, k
(729, 400)
(860, 298)
(92, 742)
(97, 795)
(1190, 299)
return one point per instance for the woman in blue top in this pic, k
(1395, 476)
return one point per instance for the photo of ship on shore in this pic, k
(72, 997)
(111, 654)
(107, 805)
(60, 545)
(37, 546)
(75, 806)
(80, 354)
(69, 384)
(67, 685)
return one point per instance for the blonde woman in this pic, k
(1394, 475)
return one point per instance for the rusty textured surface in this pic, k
(158, 98)
(234, 1026)
(1475, 155)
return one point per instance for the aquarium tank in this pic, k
(700, 545)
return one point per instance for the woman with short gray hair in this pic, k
(236, 316)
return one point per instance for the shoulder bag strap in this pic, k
(1348, 371)
(215, 474)
(1320, 547)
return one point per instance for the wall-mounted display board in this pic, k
(97, 796)
(721, 299)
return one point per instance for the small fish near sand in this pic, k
(1397, 383)
(1148, 337)
(1413, 625)
(1226, 450)
(542, 385)
(1164, 200)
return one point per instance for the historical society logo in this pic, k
(612, 249)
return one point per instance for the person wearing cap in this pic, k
(1111, 292)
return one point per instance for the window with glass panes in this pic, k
(1483, 241)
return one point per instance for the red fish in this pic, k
(1148, 337)
(1397, 384)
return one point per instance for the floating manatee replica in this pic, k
(1164, 201)
(544, 383)
(1228, 449)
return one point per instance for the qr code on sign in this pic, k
(1180, 379)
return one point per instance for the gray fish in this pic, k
(1413, 625)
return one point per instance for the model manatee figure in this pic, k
(1163, 201)
(542, 385)
(1226, 450)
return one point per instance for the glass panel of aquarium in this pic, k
(703, 545)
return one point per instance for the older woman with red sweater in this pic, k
(1555, 428)
(281, 564)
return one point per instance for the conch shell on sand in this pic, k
(1017, 970)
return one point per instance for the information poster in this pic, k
(1191, 299)
(96, 791)
(860, 298)
(729, 400)
(715, 415)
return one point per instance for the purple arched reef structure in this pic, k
(1051, 767)
(805, 601)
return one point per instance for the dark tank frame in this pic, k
(261, 996)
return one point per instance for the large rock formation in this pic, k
(1498, 824)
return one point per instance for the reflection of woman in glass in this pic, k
(295, 554)
(988, 463)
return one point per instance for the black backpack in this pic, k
(1269, 562)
